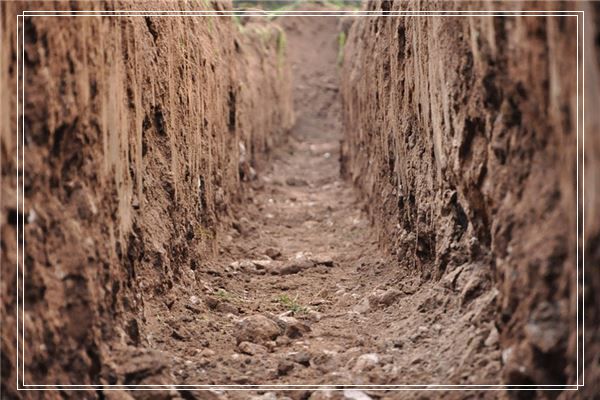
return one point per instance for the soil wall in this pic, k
(462, 132)
(137, 133)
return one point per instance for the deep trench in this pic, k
(327, 203)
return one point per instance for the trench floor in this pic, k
(301, 294)
(303, 255)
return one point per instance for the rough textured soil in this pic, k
(138, 133)
(405, 221)
(301, 294)
(454, 127)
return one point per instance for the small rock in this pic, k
(273, 253)
(325, 394)
(416, 360)
(211, 302)
(203, 361)
(492, 338)
(178, 335)
(256, 329)
(117, 395)
(206, 352)
(265, 396)
(472, 284)
(366, 361)
(314, 316)
(292, 327)
(353, 394)
(271, 345)
(252, 348)
(252, 174)
(221, 306)
(244, 265)
(284, 367)
(545, 329)
(362, 307)
(282, 341)
(241, 226)
(294, 181)
(294, 266)
(302, 358)
(262, 264)
(449, 279)
(322, 259)
(241, 380)
(84, 203)
(389, 296)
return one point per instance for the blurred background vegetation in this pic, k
(291, 4)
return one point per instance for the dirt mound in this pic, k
(454, 130)
(138, 132)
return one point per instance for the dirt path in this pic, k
(301, 294)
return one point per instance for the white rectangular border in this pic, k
(444, 387)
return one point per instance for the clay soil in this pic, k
(301, 253)
(193, 228)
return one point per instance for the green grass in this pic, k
(224, 295)
(237, 21)
(291, 304)
(343, 4)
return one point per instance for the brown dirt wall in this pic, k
(138, 131)
(462, 133)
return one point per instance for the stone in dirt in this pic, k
(284, 367)
(117, 395)
(302, 358)
(273, 253)
(292, 327)
(353, 394)
(141, 367)
(252, 348)
(322, 259)
(492, 338)
(262, 264)
(265, 396)
(381, 298)
(244, 265)
(242, 225)
(293, 267)
(256, 329)
(294, 181)
(366, 362)
(251, 266)
(362, 307)
(221, 306)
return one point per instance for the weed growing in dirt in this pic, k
(341, 44)
(203, 233)
(238, 22)
(281, 46)
(224, 295)
(344, 4)
(210, 25)
(291, 304)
